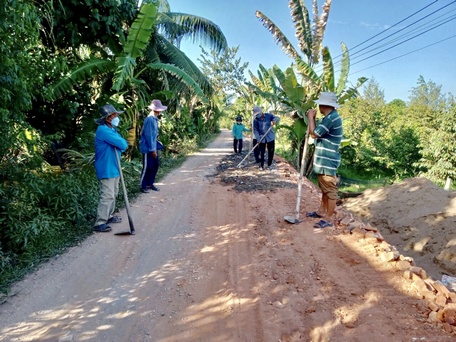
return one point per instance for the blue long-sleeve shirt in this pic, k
(238, 129)
(149, 134)
(107, 140)
(261, 124)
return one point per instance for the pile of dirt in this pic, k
(417, 217)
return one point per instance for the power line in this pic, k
(404, 41)
(408, 53)
(408, 34)
(389, 28)
(422, 9)
(404, 28)
(404, 35)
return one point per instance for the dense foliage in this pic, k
(76, 56)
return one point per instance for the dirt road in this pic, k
(215, 261)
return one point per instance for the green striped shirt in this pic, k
(329, 135)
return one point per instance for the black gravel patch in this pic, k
(248, 177)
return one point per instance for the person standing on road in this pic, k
(256, 149)
(327, 135)
(238, 129)
(264, 134)
(108, 142)
(149, 146)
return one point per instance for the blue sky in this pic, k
(352, 22)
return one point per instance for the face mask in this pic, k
(159, 116)
(239, 123)
(115, 121)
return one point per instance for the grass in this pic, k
(81, 191)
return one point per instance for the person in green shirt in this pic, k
(328, 136)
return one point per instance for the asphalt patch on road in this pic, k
(249, 177)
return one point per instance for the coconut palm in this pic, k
(164, 46)
(158, 61)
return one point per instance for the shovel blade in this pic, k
(291, 219)
(125, 233)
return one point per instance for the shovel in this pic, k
(127, 204)
(258, 142)
(295, 219)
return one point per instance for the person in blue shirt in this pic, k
(237, 130)
(149, 146)
(108, 142)
(264, 134)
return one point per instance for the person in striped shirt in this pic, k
(328, 135)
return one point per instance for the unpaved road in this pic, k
(209, 263)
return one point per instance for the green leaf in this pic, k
(301, 20)
(328, 71)
(278, 35)
(181, 75)
(141, 30)
(82, 73)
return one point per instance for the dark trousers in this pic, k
(256, 151)
(262, 147)
(237, 145)
(149, 170)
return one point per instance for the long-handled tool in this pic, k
(127, 204)
(291, 219)
(258, 142)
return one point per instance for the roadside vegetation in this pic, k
(52, 85)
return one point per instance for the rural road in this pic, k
(209, 263)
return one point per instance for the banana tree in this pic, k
(116, 71)
(301, 83)
(265, 85)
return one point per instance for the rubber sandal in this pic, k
(115, 219)
(313, 214)
(322, 224)
(102, 228)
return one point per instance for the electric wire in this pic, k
(389, 28)
(405, 54)
(404, 41)
(402, 29)
(424, 30)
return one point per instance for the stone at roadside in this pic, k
(433, 306)
(346, 220)
(447, 328)
(370, 228)
(390, 256)
(419, 271)
(440, 299)
(438, 285)
(402, 265)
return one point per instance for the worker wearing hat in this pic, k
(149, 146)
(238, 129)
(264, 135)
(327, 135)
(108, 142)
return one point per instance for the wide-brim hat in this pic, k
(157, 106)
(105, 111)
(257, 110)
(327, 99)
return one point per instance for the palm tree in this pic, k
(300, 88)
(147, 50)
(164, 46)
